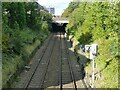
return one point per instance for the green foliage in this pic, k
(98, 23)
(21, 15)
(44, 26)
(70, 9)
(24, 27)
(5, 42)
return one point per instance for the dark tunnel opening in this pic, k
(56, 27)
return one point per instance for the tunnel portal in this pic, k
(57, 27)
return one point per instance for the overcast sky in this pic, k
(59, 5)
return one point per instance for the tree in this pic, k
(21, 15)
(70, 9)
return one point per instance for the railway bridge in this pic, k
(60, 20)
(59, 24)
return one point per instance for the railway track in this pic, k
(60, 80)
(55, 68)
(46, 63)
(52, 74)
(40, 63)
(72, 69)
(69, 64)
(44, 75)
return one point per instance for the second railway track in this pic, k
(34, 81)
(67, 58)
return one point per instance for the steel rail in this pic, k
(26, 86)
(80, 63)
(60, 63)
(69, 64)
(42, 82)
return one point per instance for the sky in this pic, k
(59, 5)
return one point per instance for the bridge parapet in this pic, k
(60, 20)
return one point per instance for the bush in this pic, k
(97, 22)
(25, 27)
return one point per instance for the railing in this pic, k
(59, 18)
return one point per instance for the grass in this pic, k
(0, 76)
(0, 58)
(14, 63)
(30, 48)
(10, 67)
(109, 78)
(106, 63)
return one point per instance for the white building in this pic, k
(51, 10)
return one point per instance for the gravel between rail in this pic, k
(50, 66)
